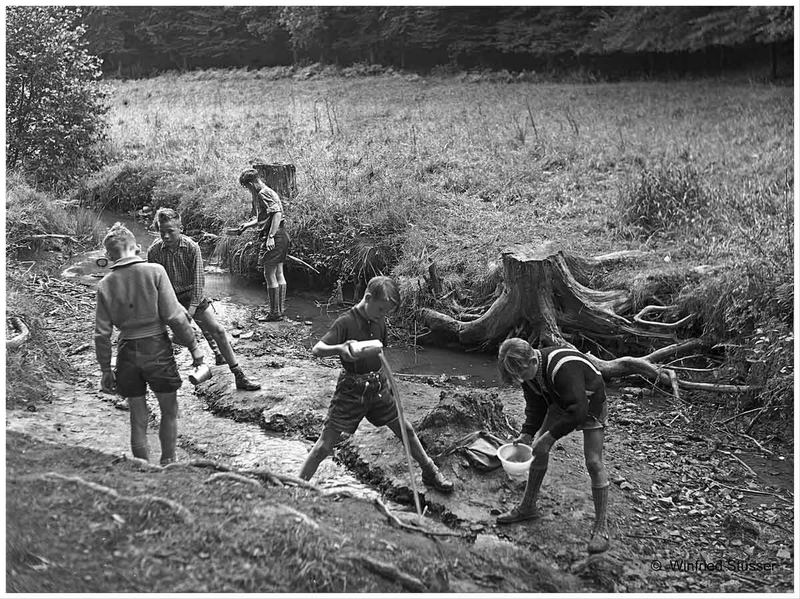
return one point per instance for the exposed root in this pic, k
(23, 332)
(390, 572)
(395, 521)
(654, 323)
(304, 517)
(176, 507)
(234, 477)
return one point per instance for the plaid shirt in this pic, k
(184, 266)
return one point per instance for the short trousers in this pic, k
(185, 297)
(360, 396)
(277, 255)
(146, 361)
(555, 413)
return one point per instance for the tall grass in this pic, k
(460, 169)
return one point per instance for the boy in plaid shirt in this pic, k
(181, 258)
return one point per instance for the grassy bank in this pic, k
(124, 527)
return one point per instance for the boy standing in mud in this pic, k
(563, 392)
(181, 258)
(267, 215)
(138, 299)
(362, 390)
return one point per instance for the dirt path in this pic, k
(685, 514)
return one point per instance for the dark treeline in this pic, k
(141, 40)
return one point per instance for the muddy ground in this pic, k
(694, 507)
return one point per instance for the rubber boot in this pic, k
(599, 541)
(273, 293)
(281, 299)
(527, 509)
(242, 382)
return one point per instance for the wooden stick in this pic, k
(735, 457)
(297, 260)
(741, 414)
(761, 447)
(751, 491)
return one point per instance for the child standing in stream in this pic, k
(563, 392)
(181, 258)
(138, 299)
(362, 390)
(267, 214)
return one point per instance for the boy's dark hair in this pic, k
(165, 215)
(248, 176)
(383, 289)
(118, 238)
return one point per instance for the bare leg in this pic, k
(168, 429)
(322, 449)
(138, 415)
(211, 328)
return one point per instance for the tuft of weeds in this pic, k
(663, 200)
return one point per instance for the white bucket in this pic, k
(516, 460)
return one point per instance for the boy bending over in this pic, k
(362, 390)
(563, 392)
(138, 299)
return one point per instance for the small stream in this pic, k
(243, 445)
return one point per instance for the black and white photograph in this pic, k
(392, 299)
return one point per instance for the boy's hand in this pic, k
(524, 438)
(108, 382)
(344, 352)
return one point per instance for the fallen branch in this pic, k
(390, 572)
(180, 510)
(718, 387)
(740, 414)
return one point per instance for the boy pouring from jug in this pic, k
(362, 390)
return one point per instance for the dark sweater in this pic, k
(568, 380)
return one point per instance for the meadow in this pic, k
(454, 171)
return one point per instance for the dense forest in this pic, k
(610, 41)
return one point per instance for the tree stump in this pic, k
(542, 295)
(280, 177)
